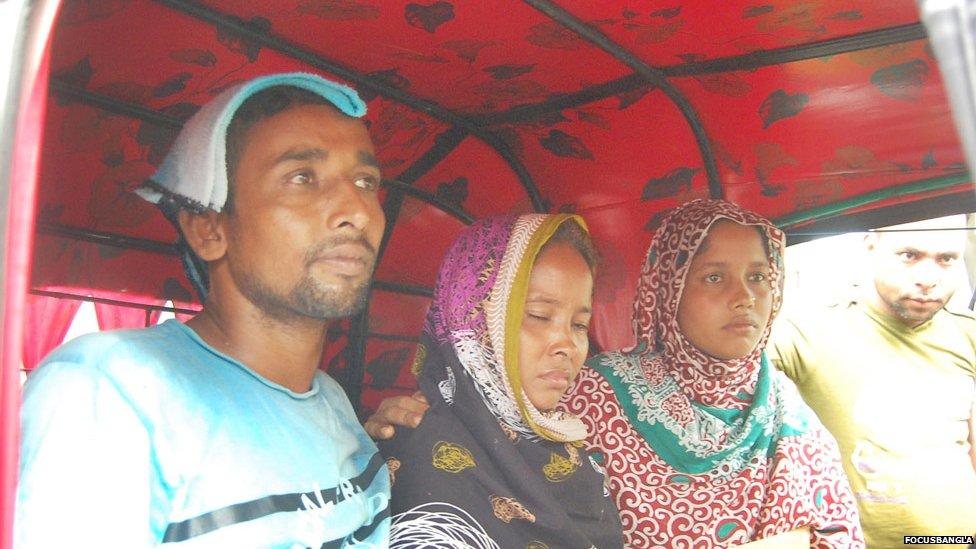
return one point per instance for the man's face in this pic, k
(915, 273)
(306, 222)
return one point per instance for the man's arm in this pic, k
(87, 475)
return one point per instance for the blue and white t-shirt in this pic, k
(143, 437)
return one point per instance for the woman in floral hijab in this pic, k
(492, 464)
(706, 445)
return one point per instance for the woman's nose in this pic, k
(743, 297)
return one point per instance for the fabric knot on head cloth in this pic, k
(194, 174)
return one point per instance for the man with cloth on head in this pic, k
(893, 378)
(222, 432)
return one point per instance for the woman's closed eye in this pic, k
(541, 317)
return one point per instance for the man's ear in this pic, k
(205, 233)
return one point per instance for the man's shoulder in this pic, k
(964, 317)
(115, 353)
(102, 346)
(820, 318)
(331, 388)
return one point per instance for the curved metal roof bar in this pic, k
(651, 74)
(415, 192)
(305, 55)
(138, 112)
(789, 54)
(813, 50)
(937, 183)
(352, 378)
(110, 104)
(166, 248)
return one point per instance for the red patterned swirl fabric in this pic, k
(800, 485)
(702, 452)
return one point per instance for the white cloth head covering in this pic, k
(196, 166)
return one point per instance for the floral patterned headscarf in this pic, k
(703, 450)
(660, 288)
(477, 308)
(699, 413)
(486, 468)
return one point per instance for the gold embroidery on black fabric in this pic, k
(558, 469)
(507, 509)
(393, 465)
(452, 458)
(509, 432)
(418, 360)
(574, 455)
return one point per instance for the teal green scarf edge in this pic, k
(667, 444)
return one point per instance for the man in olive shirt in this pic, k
(893, 377)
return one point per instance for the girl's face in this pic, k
(553, 340)
(727, 297)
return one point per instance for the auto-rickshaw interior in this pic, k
(824, 115)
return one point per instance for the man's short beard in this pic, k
(907, 315)
(306, 299)
(327, 303)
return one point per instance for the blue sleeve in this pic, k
(87, 470)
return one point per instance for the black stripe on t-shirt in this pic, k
(254, 509)
(359, 535)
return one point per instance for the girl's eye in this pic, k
(758, 277)
(368, 182)
(536, 316)
(713, 278)
(581, 327)
(907, 256)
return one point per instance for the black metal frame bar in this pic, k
(165, 248)
(382, 336)
(947, 204)
(112, 105)
(401, 288)
(444, 144)
(313, 59)
(107, 238)
(137, 112)
(650, 74)
(585, 96)
(78, 297)
(432, 199)
(750, 61)
(790, 54)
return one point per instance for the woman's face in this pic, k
(727, 297)
(553, 340)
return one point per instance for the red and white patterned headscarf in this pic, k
(712, 381)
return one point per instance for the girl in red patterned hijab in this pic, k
(705, 444)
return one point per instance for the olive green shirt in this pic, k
(899, 401)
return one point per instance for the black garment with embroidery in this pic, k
(461, 476)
